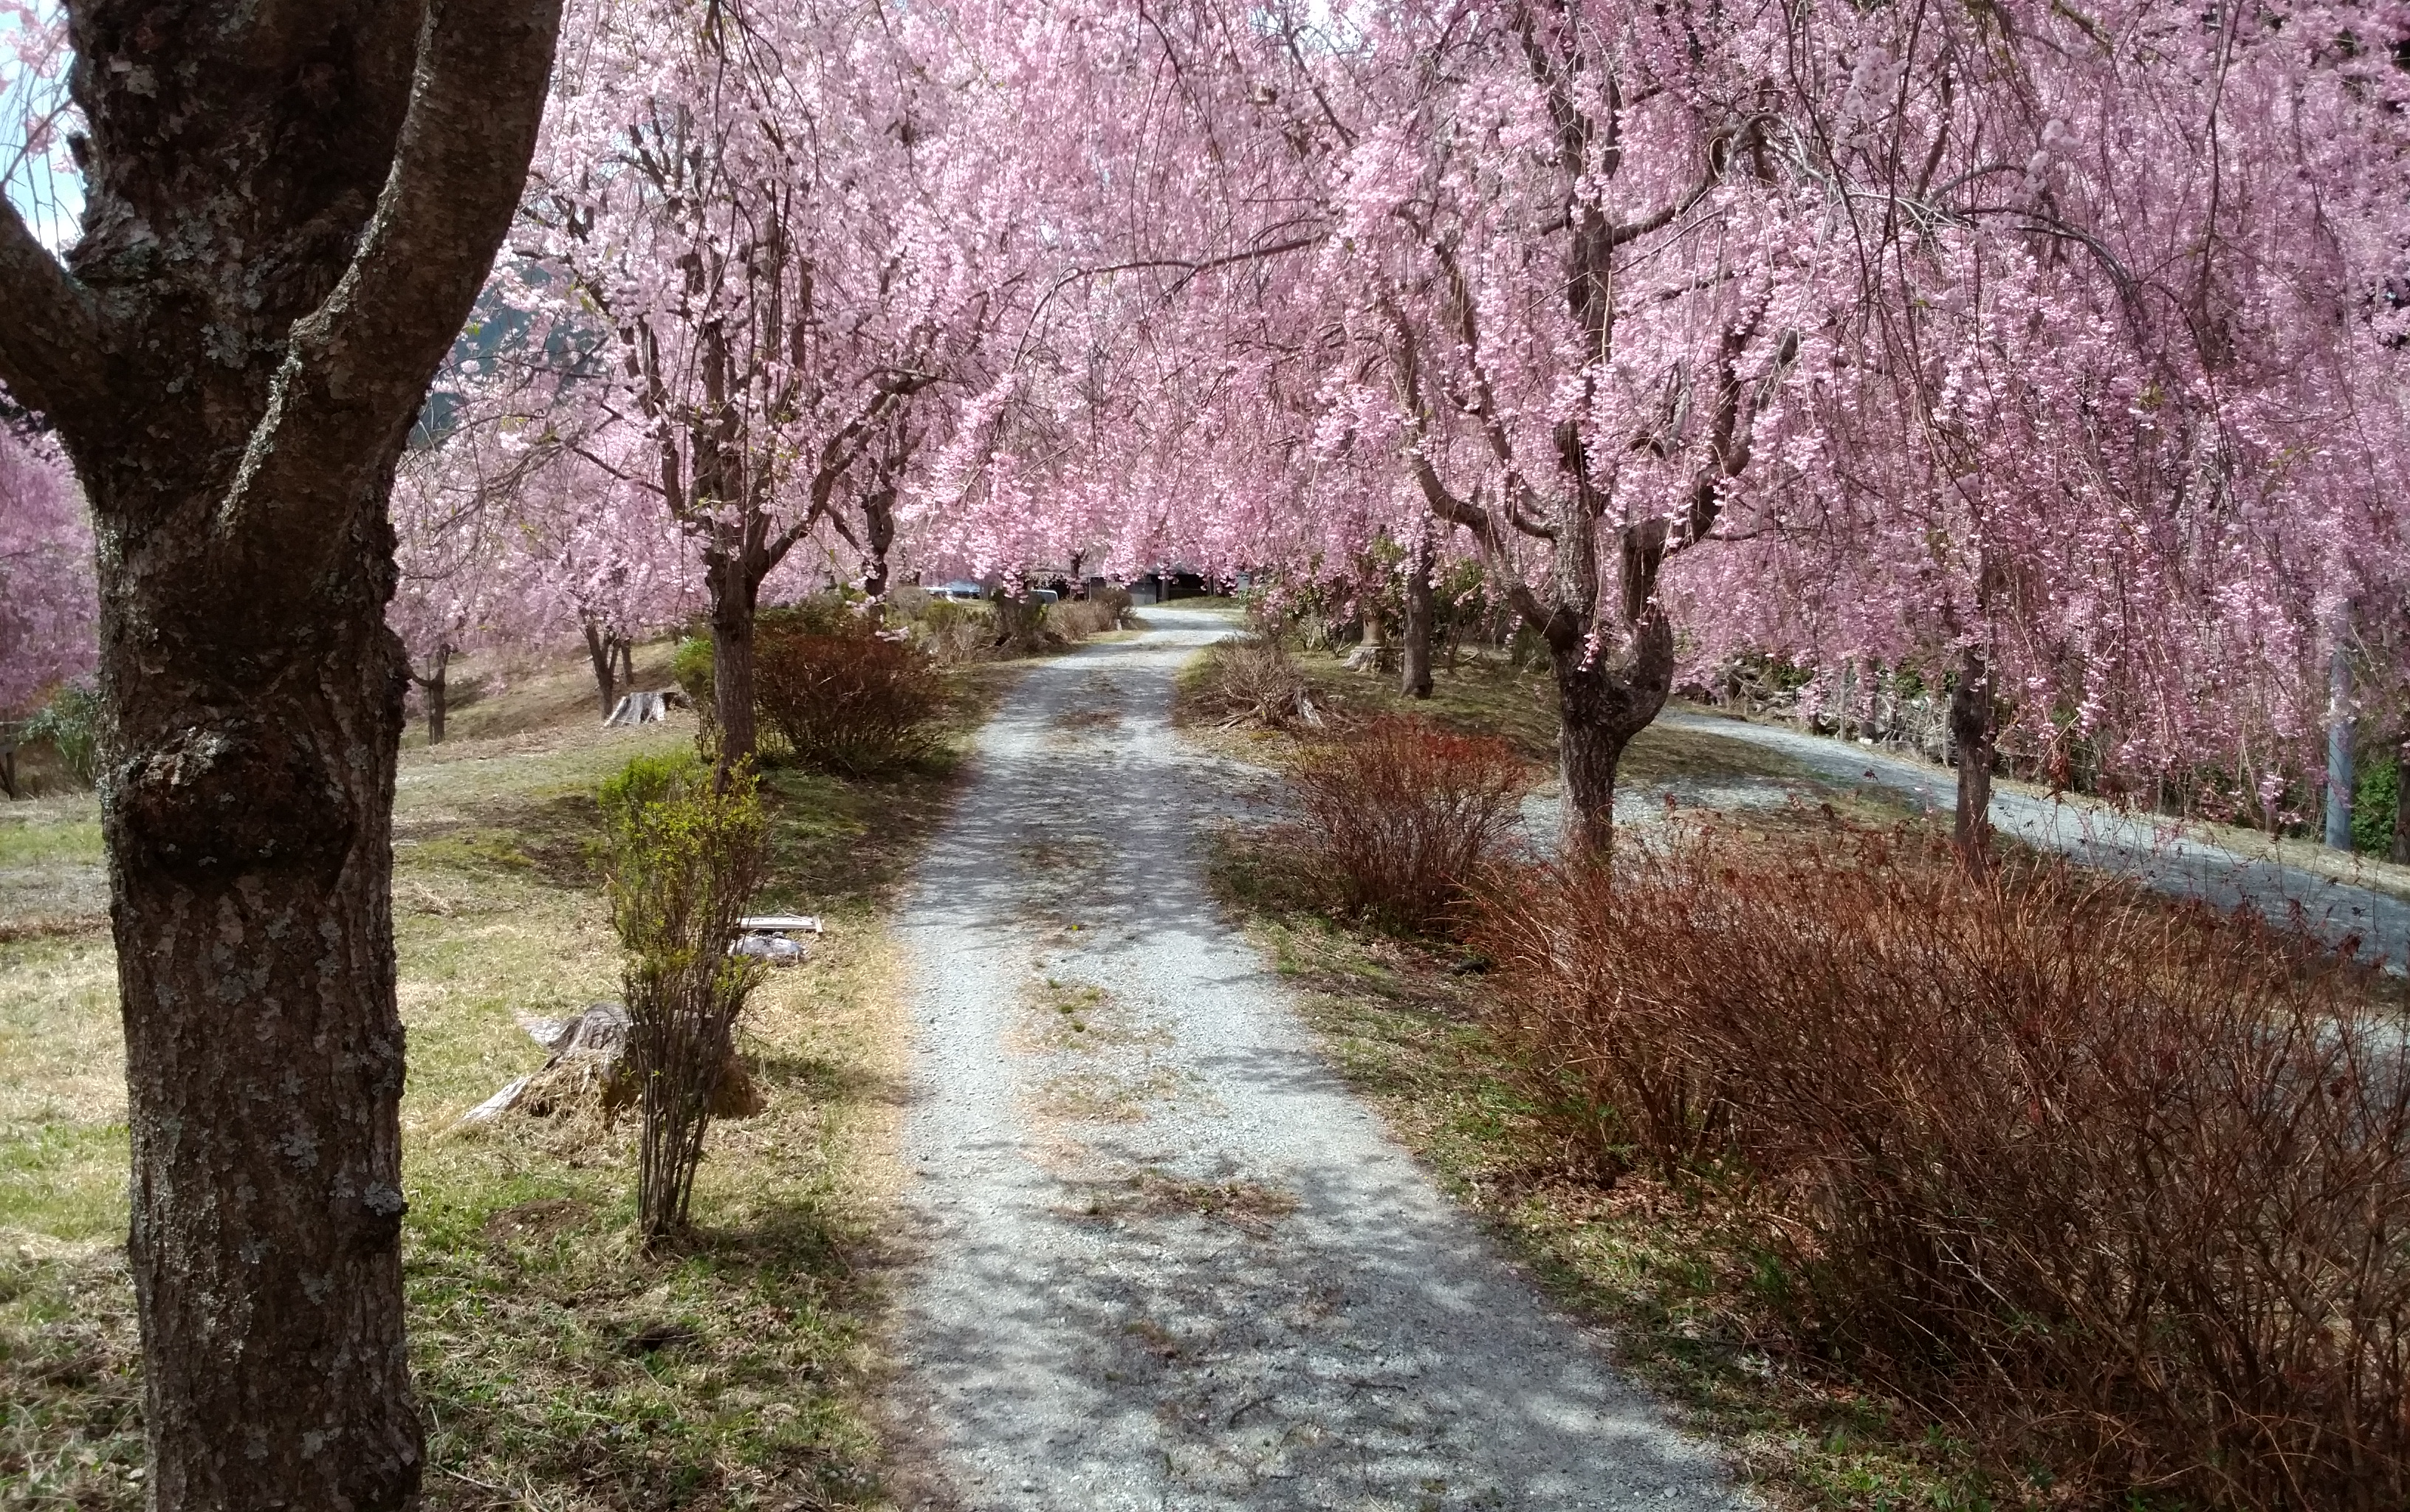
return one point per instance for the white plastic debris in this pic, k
(775, 948)
(780, 924)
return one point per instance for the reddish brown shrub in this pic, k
(850, 701)
(1402, 815)
(2136, 1175)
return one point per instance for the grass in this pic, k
(1663, 1276)
(558, 1364)
(1481, 694)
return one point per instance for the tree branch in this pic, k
(50, 328)
(358, 364)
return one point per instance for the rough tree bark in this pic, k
(1973, 731)
(1414, 653)
(289, 208)
(733, 597)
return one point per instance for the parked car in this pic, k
(962, 588)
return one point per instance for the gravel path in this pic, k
(1169, 1262)
(2154, 852)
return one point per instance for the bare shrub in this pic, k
(1104, 609)
(850, 701)
(954, 634)
(1402, 815)
(1253, 680)
(684, 855)
(2128, 1180)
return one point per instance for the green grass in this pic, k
(559, 1363)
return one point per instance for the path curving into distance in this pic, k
(1169, 1261)
(2152, 851)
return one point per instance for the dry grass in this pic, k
(560, 1367)
(1248, 682)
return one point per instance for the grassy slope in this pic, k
(560, 1367)
(1671, 1286)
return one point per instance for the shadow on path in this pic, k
(1169, 1262)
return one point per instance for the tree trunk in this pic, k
(1971, 734)
(731, 668)
(878, 537)
(599, 652)
(2399, 852)
(2342, 733)
(1601, 706)
(289, 213)
(249, 799)
(1415, 660)
(627, 662)
(431, 688)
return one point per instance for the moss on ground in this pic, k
(558, 1364)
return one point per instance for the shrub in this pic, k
(1402, 816)
(1102, 610)
(690, 665)
(70, 722)
(684, 854)
(2373, 805)
(2137, 1175)
(850, 701)
(1251, 680)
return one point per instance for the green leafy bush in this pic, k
(70, 722)
(2373, 805)
(685, 854)
(691, 664)
(850, 701)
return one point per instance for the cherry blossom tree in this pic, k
(775, 214)
(2097, 439)
(46, 605)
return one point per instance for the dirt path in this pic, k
(2153, 852)
(1170, 1263)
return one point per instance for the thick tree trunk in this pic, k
(1414, 659)
(1971, 734)
(249, 800)
(600, 652)
(1601, 705)
(627, 663)
(732, 673)
(2343, 735)
(289, 210)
